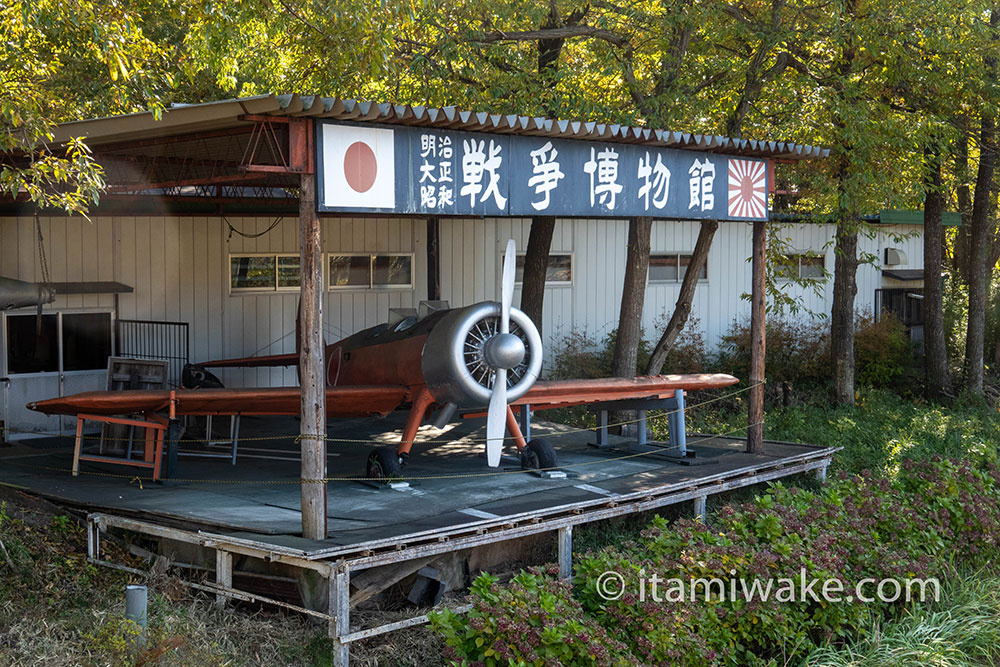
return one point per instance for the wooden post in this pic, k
(223, 573)
(700, 508)
(341, 606)
(566, 552)
(311, 365)
(755, 423)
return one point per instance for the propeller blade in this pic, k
(507, 286)
(496, 419)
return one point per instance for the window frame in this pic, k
(798, 267)
(371, 286)
(60, 333)
(548, 283)
(277, 289)
(680, 279)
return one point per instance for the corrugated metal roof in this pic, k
(197, 117)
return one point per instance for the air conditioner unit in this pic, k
(894, 257)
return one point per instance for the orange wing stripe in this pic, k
(564, 393)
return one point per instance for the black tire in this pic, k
(383, 463)
(539, 455)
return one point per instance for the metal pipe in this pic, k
(136, 600)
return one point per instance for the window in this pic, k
(804, 266)
(559, 270)
(263, 273)
(672, 267)
(365, 271)
(86, 341)
(33, 346)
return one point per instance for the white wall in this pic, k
(470, 250)
(179, 266)
(179, 269)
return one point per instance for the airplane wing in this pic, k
(565, 393)
(358, 401)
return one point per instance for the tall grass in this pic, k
(962, 630)
(877, 434)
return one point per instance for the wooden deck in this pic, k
(452, 502)
(449, 482)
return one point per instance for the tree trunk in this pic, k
(845, 288)
(682, 311)
(960, 253)
(625, 358)
(758, 339)
(938, 377)
(980, 238)
(536, 262)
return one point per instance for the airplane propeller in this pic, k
(503, 351)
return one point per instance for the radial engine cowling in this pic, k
(459, 362)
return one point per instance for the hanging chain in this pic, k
(40, 241)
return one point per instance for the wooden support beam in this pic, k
(341, 608)
(223, 573)
(755, 428)
(566, 552)
(311, 366)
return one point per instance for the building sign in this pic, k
(414, 170)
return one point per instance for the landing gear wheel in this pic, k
(539, 455)
(383, 463)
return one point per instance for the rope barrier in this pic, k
(571, 466)
(322, 436)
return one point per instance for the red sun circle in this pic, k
(360, 166)
(746, 188)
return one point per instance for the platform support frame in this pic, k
(338, 564)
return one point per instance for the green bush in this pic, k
(797, 351)
(934, 515)
(579, 355)
(882, 351)
(532, 621)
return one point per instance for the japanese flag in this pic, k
(359, 169)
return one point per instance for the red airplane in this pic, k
(487, 355)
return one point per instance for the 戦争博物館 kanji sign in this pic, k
(414, 170)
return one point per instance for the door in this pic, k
(65, 353)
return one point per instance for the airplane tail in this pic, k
(270, 361)
(254, 362)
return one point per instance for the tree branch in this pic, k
(562, 32)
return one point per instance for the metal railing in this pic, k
(154, 339)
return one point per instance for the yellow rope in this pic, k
(322, 436)
(325, 480)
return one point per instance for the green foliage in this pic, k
(797, 350)
(882, 352)
(61, 60)
(932, 516)
(877, 434)
(117, 641)
(61, 524)
(579, 355)
(963, 630)
(533, 620)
